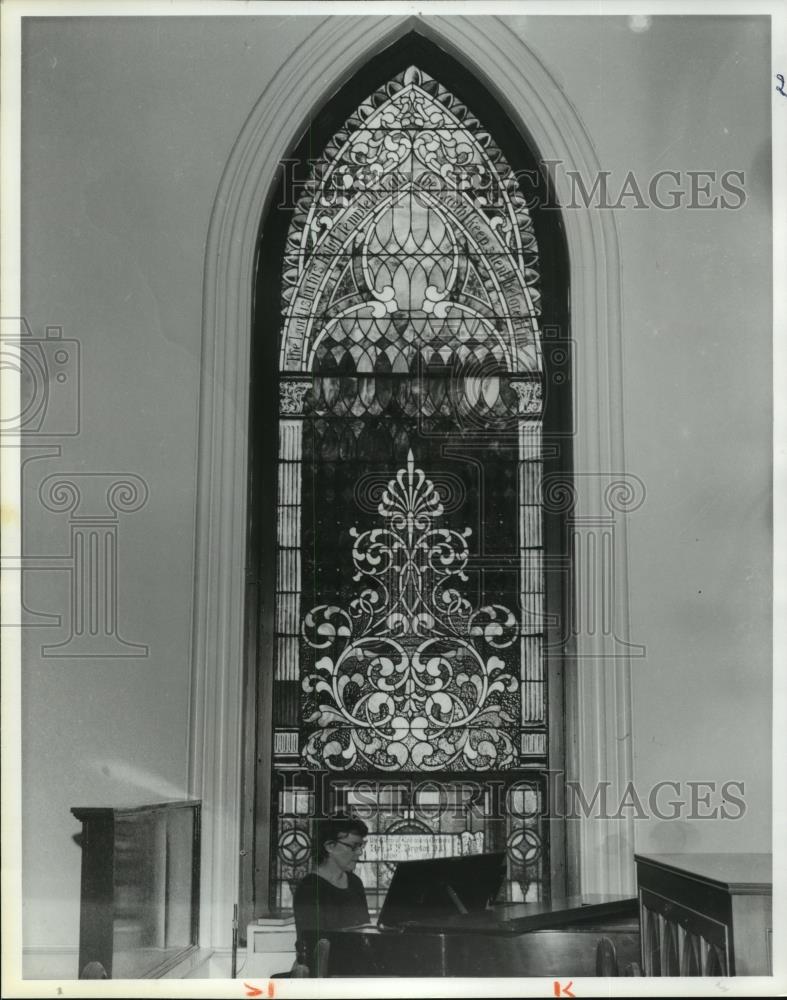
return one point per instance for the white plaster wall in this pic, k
(691, 94)
(126, 127)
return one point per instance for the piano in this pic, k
(556, 939)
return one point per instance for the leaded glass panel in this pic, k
(410, 574)
(413, 819)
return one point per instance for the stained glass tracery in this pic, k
(411, 244)
(410, 363)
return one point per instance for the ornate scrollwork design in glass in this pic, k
(410, 676)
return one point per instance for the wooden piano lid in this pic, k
(517, 918)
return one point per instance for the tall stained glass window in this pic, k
(409, 668)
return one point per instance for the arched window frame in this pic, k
(223, 706)
(268, 357)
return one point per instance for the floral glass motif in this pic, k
(410, 676)
(410, 305)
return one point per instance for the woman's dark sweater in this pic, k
(320, 906)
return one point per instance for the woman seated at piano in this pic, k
(332, 896)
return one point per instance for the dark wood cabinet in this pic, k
(705, 914)
(139, 907)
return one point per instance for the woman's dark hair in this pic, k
(333, 828)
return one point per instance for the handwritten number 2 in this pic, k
(780, 88)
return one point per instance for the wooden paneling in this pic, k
(705, 914)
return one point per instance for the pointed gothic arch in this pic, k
(409, 321)
(594, 700)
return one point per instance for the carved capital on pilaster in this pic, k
(529, 398)
(292, 397)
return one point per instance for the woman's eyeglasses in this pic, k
(355, 848)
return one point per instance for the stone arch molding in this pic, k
(598, 733)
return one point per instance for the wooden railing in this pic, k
(139, 908)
